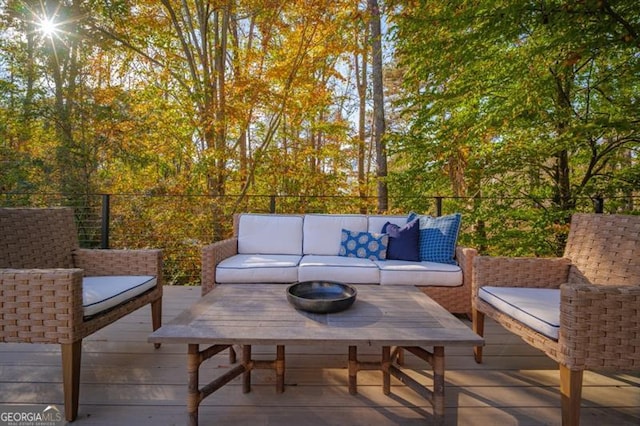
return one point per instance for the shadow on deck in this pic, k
(126, 382)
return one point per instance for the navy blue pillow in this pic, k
(403, 241)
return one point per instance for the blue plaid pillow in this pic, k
(438, 238)
(364, 245)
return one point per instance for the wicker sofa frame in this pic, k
(599, 280)
(454, 299)
(41, 275)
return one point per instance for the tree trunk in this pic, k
(564, 197)
(361, 84)
(378, 106)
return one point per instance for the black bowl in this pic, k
(321, 297)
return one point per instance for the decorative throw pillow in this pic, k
(403, 241)
(438, 238)
(365, 245)
(412, 216)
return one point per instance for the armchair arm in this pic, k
(599, 326)
(212, 255)
(41, 305)
(120, 262)
(519, 272)
(465, 256)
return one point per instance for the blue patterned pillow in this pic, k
(438, 238)
(364, 245)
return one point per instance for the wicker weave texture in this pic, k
(37, 238)
(605, 248)
(520, 272)
(456, 300)
(212, 255)
(40, 305)
(600, 327)
(118, 262)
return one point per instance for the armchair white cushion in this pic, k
(538, 308)
(102, 293)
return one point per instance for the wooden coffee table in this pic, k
(391, 317)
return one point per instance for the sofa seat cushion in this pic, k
(351, 270)
(538, 308)
(270, 234)
(102, 293)
(258, 268)
(402, 272)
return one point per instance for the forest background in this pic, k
(516, 113)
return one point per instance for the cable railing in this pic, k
(182, 224)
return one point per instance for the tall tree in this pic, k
(378, 105)
(501, 91)
(361, 62)
(528, 99)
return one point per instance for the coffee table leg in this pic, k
(386, 375)
(353, 370)
(246, 361)
(280, 368)
(438, 384)
(193, 397)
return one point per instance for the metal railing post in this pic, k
(438, 206)
(104, 235)
(598, 204)
(272, 204)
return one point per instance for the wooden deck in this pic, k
(125, 381)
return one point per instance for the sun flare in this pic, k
(48, 27)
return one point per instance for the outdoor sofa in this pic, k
(283, 248)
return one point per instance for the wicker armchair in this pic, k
(41, 286)
(598, 284)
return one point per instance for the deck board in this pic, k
(126, 381)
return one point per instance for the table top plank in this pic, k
(259, 314)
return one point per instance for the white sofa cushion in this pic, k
(270, 234)
(323, 232)
(376, 222)
(105, 292)
(538, 308)
(402, 272)
(258, 268)
(352, 270)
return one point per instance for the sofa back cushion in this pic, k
(269, 234)
(323, 232)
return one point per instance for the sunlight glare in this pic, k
(48, 27)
